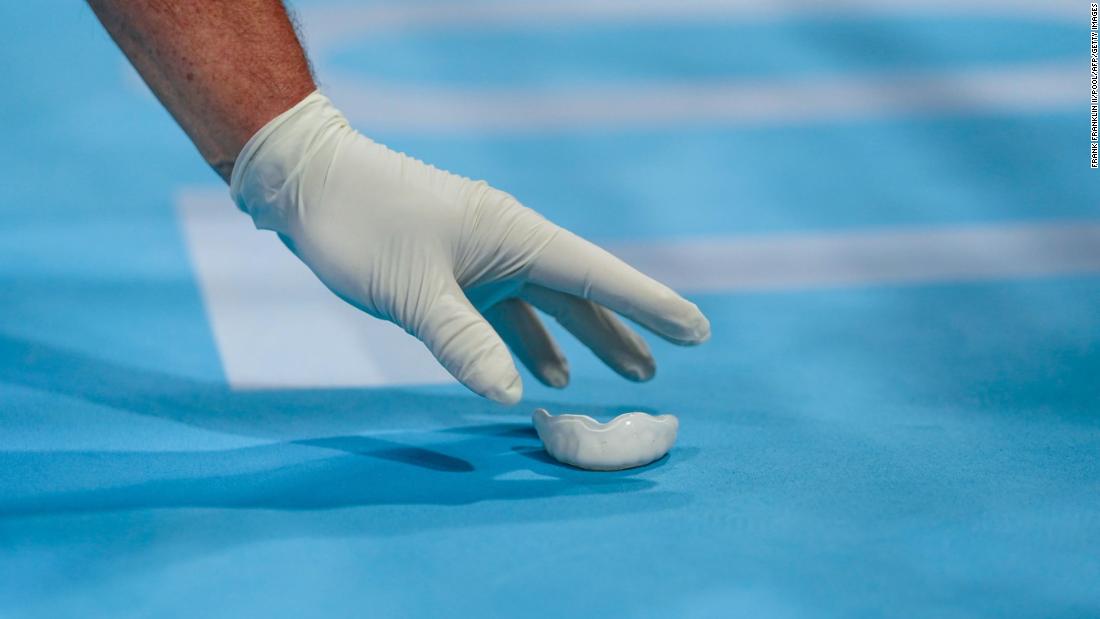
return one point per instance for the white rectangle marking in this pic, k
(275, 324)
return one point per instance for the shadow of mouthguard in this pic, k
(627, 441)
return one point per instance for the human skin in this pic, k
(222, 69)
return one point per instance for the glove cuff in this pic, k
(267, 177)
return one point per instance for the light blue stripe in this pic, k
(575, 55)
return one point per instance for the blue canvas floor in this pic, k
(920, 450)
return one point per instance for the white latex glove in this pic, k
(454, 262)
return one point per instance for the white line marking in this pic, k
(789, 102)
(328, 26)
(383, 106)
(872, 257)
(276, 326)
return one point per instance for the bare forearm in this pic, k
(223, 69)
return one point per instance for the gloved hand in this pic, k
(454, 262)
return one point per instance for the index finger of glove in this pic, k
(575, 266)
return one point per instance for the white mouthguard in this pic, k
(627, 441)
